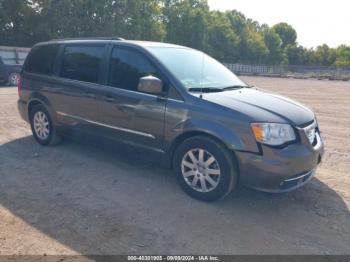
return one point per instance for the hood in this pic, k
(262, 106)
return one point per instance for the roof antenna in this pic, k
(202, 74)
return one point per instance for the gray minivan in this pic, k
(195, 114)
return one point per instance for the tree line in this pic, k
(228, 36)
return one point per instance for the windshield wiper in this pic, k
(235, 87)
(216, 89)
(205, 89)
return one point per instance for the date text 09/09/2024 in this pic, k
(173, 258)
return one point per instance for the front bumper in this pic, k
(281, 170)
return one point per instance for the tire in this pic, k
(217, 169)
(13, 79)
(42, 126)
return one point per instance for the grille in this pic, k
(310, 132)
(311, 135)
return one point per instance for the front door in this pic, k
(130, 115)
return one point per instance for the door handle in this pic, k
(90, 94)
(161, 98)
(109, 99)
(125, 109)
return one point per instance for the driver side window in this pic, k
(127, 67)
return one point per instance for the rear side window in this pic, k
(82, 63)
(42, 60)
(127, 67)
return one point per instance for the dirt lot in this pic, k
(79, 199)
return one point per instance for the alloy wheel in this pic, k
(201, 170)
(41, 125)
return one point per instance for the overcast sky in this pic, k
(316, 21)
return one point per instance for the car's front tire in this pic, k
(205, 168)
(42, 126)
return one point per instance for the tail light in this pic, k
(19, 86)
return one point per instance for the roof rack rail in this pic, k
(91, 38)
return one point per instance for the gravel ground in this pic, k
(80, 199)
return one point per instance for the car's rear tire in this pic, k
(205, 169)
(13, 79)
(42, 126)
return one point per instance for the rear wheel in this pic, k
(205, 169)
(43, 129)
(13, 79)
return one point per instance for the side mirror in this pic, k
(150, 84)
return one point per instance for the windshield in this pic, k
(195, 69)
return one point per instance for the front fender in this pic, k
(236, 137)
(212, 128)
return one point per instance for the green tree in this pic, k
(252, 48)
(287, 33)
(343, 56)
(187, 22)
(223, 41)
(80, 18)
(18, 23)
(295, 54)
(143, 20)
(324, 55)
(274, 44)
(228, 36)
(256, 51)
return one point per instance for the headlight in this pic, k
(273, 134)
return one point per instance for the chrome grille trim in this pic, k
(299, 177)
(317, 136)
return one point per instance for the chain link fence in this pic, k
(319, 72)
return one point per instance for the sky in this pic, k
(316, 21)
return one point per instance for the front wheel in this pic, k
(205, 169)
(43, 129)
